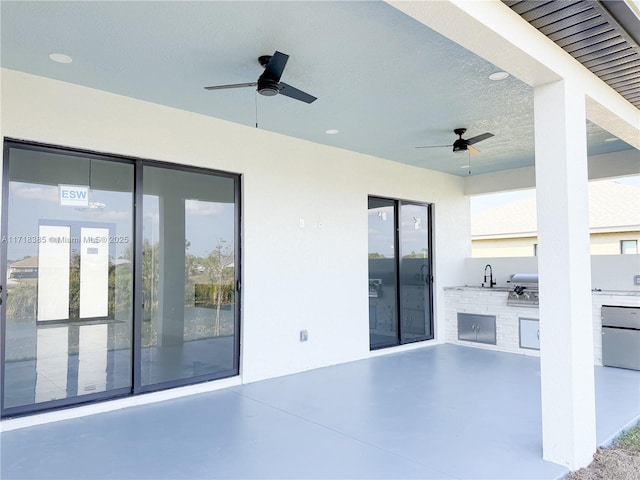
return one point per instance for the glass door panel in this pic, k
(70, 332)
(383, 299)
(188, 276)
(399, 272)
(67, 244)
(415, 273)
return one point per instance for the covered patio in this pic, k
(131, 83)
(442, 411)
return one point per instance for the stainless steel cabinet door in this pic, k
(486, 329)
(477, 328)
(466, 327)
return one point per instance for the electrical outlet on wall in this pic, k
(304, 335)
(636, 280)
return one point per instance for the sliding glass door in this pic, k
(383, 273)
(188, 276)
(120, 277)
(399, 272)
(67, 240)
(415, 273)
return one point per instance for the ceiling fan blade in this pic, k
(233, 85)
(436, 146)
(479, 138)
(275, 67)
(292, 92)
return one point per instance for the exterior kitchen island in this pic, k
(480, 317)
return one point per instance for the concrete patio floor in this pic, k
(438, 412)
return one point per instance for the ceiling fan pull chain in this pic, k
(256, 98)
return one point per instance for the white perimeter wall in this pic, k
(294, 278)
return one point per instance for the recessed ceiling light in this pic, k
(611, 139)
(498, 76)
(60, 58)
(331, 131)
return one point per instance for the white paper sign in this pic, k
(94, 272)
(53, 273)
(74, 195)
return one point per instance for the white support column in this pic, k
(566, 332)
(171, 279)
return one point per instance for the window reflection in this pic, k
(415, 273)
(68, 309)
(188, 276)
(383, 312)
(68, 241)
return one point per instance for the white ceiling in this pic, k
(385, 81)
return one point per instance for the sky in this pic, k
(31, 204)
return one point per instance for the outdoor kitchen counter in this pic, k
(619, 293)
(478, 300)
(489, 290)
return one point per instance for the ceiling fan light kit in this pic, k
(267, 87)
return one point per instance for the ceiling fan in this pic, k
(269, 83)
(464, 145)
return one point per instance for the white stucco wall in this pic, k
(294, 278)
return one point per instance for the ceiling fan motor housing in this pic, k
(267, 87)
(460, 145)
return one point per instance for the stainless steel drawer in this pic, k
(621, 317)
(621, 348)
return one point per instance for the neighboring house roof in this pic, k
(613, 207)
(30, 262)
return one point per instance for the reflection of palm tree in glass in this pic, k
(149, 275)
(150, 262)
(74, 285)
(219, 268)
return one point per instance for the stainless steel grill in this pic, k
(524, 290)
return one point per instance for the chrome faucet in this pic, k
(492, 282)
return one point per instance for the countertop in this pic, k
(628, 293)
(470, 287)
